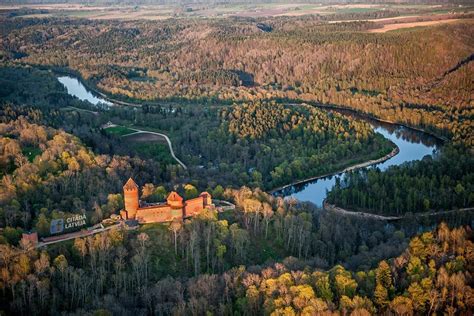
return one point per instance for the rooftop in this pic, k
(174, 197)
(130, 185)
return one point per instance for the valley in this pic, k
(411, 145)
(236, 158)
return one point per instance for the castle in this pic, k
(175, 208)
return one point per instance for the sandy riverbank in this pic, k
(368, 163)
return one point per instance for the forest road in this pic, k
(138, 131)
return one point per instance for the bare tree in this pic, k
(175, 226)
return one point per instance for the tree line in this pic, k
(115, 273)
(442, 182)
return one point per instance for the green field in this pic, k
(150, 147)
(119, 130)
(154, 228)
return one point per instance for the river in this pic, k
(76, 88)
(413, 145)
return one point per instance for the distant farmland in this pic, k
(398, 26)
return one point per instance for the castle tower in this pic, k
(130, 196)
(175, 200)
(206, 198)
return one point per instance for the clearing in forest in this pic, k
(119, 130)
(398, 26)
(146, 137)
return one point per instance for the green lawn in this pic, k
(119, 130)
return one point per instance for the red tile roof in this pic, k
(130, 185)
(174, 197)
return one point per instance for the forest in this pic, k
(433, 184)
(215, 141)
(121, 272)
(262, 144)
(250, 105)
(388, 75)
(266, 146)
(49, 173)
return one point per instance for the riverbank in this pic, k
(368, 163)
(91, 87)
(116, 102)
(138, 103)
(369, 116)
(386, 128)
(339, 210)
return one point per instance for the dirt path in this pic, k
(139, 131)
(335, 209)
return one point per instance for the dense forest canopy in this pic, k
(49, 173)
(442, 183)
(302, 141)
(238, 98)
(118, 273)
(389, 75)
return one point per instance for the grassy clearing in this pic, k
(31, 152)
(146, 137)
(119, 130)
(144, 145)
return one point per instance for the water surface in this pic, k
(413, 145)
(76, 88)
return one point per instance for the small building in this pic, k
(175, 207)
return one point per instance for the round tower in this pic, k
(130, 197)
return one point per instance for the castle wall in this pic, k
(31, 238)
(206, 198)
(158, 214)
(193, 207)
(123, 214)
(175, 209)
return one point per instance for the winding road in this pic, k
(138, 131)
